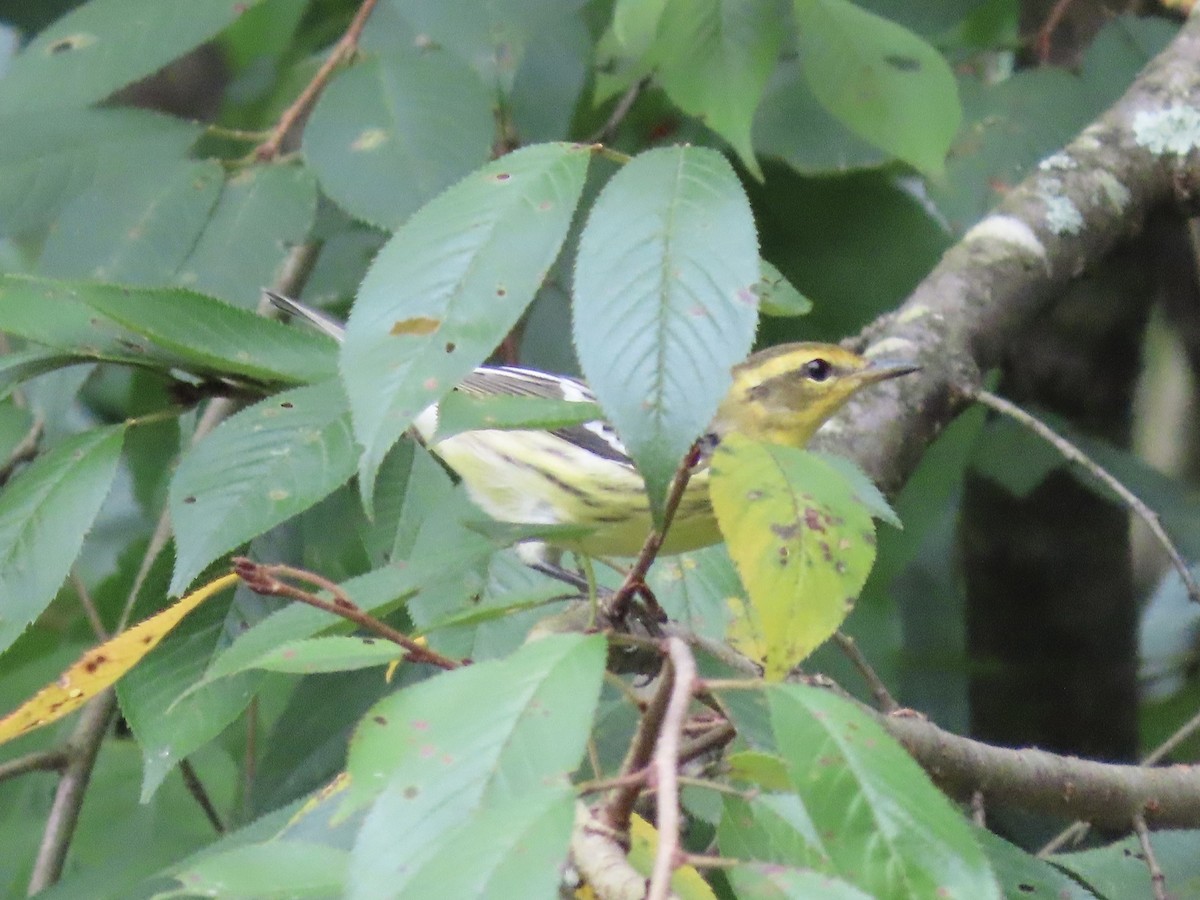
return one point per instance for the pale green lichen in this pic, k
(1007, 230)
(1174, 129)
(1112, 190)
(1062, 215)
(1057, 162)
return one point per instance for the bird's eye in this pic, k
(818, 369)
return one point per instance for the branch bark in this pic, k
(1061, 220)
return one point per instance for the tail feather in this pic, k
(317, 319)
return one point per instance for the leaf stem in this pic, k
(265, 580)
(342, 51)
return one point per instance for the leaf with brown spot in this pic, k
(100, 667)
(798, 547)
(418, 325)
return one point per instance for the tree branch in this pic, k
(1061, 220)
(1105, 794)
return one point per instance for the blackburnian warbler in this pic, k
(582, 475)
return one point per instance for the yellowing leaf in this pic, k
(686, 883)
(101, 666)
(802, 541)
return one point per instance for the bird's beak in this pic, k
(885, 369)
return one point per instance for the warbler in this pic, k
(582, 475)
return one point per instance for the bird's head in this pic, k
(785, 393)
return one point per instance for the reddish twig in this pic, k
(266, 580)
(635, 580)
(343, 50)
(666, 773)
(1046, 32)
(617, 812)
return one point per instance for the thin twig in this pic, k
(343, 50)
(82, 749)
(41, 761)
(701, 861)
(978, 809)
(636, 779)
(24, 451)
(89, 606)
(1072, 834)
(1046, 32)
(620, 111)
(195, 787)
(666, 769)
(717, 736)
(1158, 881)
(884, 700)
(635, 580)
(619, 809)
(265, 580)
(1077, 456)
(1182, 733)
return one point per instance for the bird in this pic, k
(581, 475)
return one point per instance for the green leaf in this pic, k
(505, 534)
(714, 58)
(393, 131)
(448, 287)
(47, 160)
(694, 589)
(518, 849)
(772, 828)
(774, 882)
(765, 770)
(1119, 870)
(491, 37)
(45, 513)
(803, 542)
(664, 301)
(258, 468)
(160, 328)
(865, 490)
(545, 94)
(329, 654)
(460, 411)
(136, 231)
(635, 24)
(456, 750)
(823, 146)
(777, 296)
(275, 868)
(880, 79)
(261, 214)
(884, 825)
(20, 365)
(1022, 874)
(487, 716)
(104, 45)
